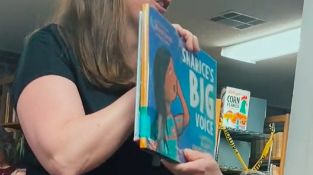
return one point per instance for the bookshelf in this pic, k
(248, 136)
(7, 79)
(8, 118)
(8, 65)
(14, 125)
(284, 119)
(239, 135)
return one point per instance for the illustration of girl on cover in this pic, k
(167, 128)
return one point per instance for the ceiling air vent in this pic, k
(237, 20)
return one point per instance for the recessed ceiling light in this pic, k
(237, 20)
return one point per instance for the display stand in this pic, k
(239, 135)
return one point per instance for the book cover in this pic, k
(177, 92)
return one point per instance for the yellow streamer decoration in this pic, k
(266, 149)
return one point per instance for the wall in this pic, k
(265, 79)
(299, 158)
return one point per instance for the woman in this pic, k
(75, 96)
(7, 153)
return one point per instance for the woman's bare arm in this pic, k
(63, 138)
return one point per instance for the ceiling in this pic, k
(270, 79)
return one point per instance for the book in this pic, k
(235, 107)
(138, 78)
(176, 92)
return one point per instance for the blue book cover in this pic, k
(177, 92)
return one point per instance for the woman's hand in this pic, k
(197, 164)
(192, 43)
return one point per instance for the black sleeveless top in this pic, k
(46, 54)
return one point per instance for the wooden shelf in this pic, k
(11, 125)
(274, 159)
(284, 119)
(235, 170)
(247, 136)
(7, 79)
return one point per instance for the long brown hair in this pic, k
(96, 31)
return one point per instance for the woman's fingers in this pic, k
(192, 42)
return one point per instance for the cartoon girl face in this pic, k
(170, 83)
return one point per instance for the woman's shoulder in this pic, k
(45, 30)
(46, 44)
(46, 36)
(43, 54)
